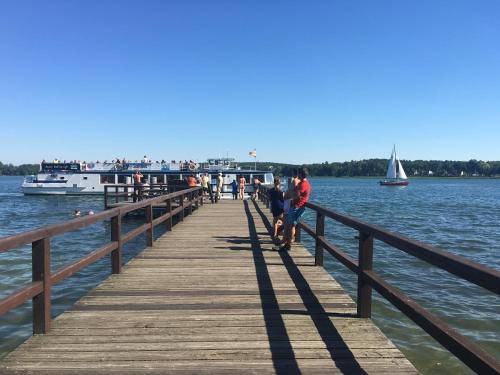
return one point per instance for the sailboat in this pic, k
(395, 175)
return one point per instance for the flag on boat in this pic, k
(253, 153)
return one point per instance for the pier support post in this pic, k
(365, 261)
(149, 221)
(116, 255)
(320, 232)
(41, 272)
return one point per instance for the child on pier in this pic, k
(277, 199)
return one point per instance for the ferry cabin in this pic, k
(79, 178)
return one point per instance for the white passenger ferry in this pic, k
(91, 178)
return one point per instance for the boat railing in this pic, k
(463, 348)
(40, 289)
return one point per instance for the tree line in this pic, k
(355, 168)
(378, 168)
(18, 170)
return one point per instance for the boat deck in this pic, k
(212, 297)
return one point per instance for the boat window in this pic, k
(107, 179)
(85, 178)
(122, 179)
(61, 178)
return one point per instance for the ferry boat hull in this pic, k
(89, 179)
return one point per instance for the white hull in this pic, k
(30, 190)
(92, 183)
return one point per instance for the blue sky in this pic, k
(299, 81)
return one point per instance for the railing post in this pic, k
(40, 255)
(181, 204)
(149, 221)
(105, 197)
(116, 255)
(170, 220)
(365, 261)
(116, 194)
(197, 201)
(320, 232)
(190, 208)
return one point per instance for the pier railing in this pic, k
(120, 193)
(463, 348)
(40, 289)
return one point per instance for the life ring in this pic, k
(192, 166)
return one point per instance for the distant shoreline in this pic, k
(370, 177)
(371, 168)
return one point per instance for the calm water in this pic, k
(461, 216)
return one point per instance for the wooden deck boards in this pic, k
(212, 297)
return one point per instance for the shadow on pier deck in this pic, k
(212, 297)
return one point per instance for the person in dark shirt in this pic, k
(138, 189)
(297, 209)
(234, 187)
(276, 196)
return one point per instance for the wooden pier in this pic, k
(211, 296)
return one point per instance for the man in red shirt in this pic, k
(300, 197)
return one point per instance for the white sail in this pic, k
(401, 171)
(391, 167)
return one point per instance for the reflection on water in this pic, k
(461, 216)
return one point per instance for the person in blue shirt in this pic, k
(234, 187)
(276, 196)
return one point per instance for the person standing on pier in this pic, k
(191, 181)
(256, 187)
(234, 187)
(137, 186)
(220, 184)
(204, 183)
(297, 209)
(276, 197)
(242, 183)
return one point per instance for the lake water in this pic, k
(458, 215)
